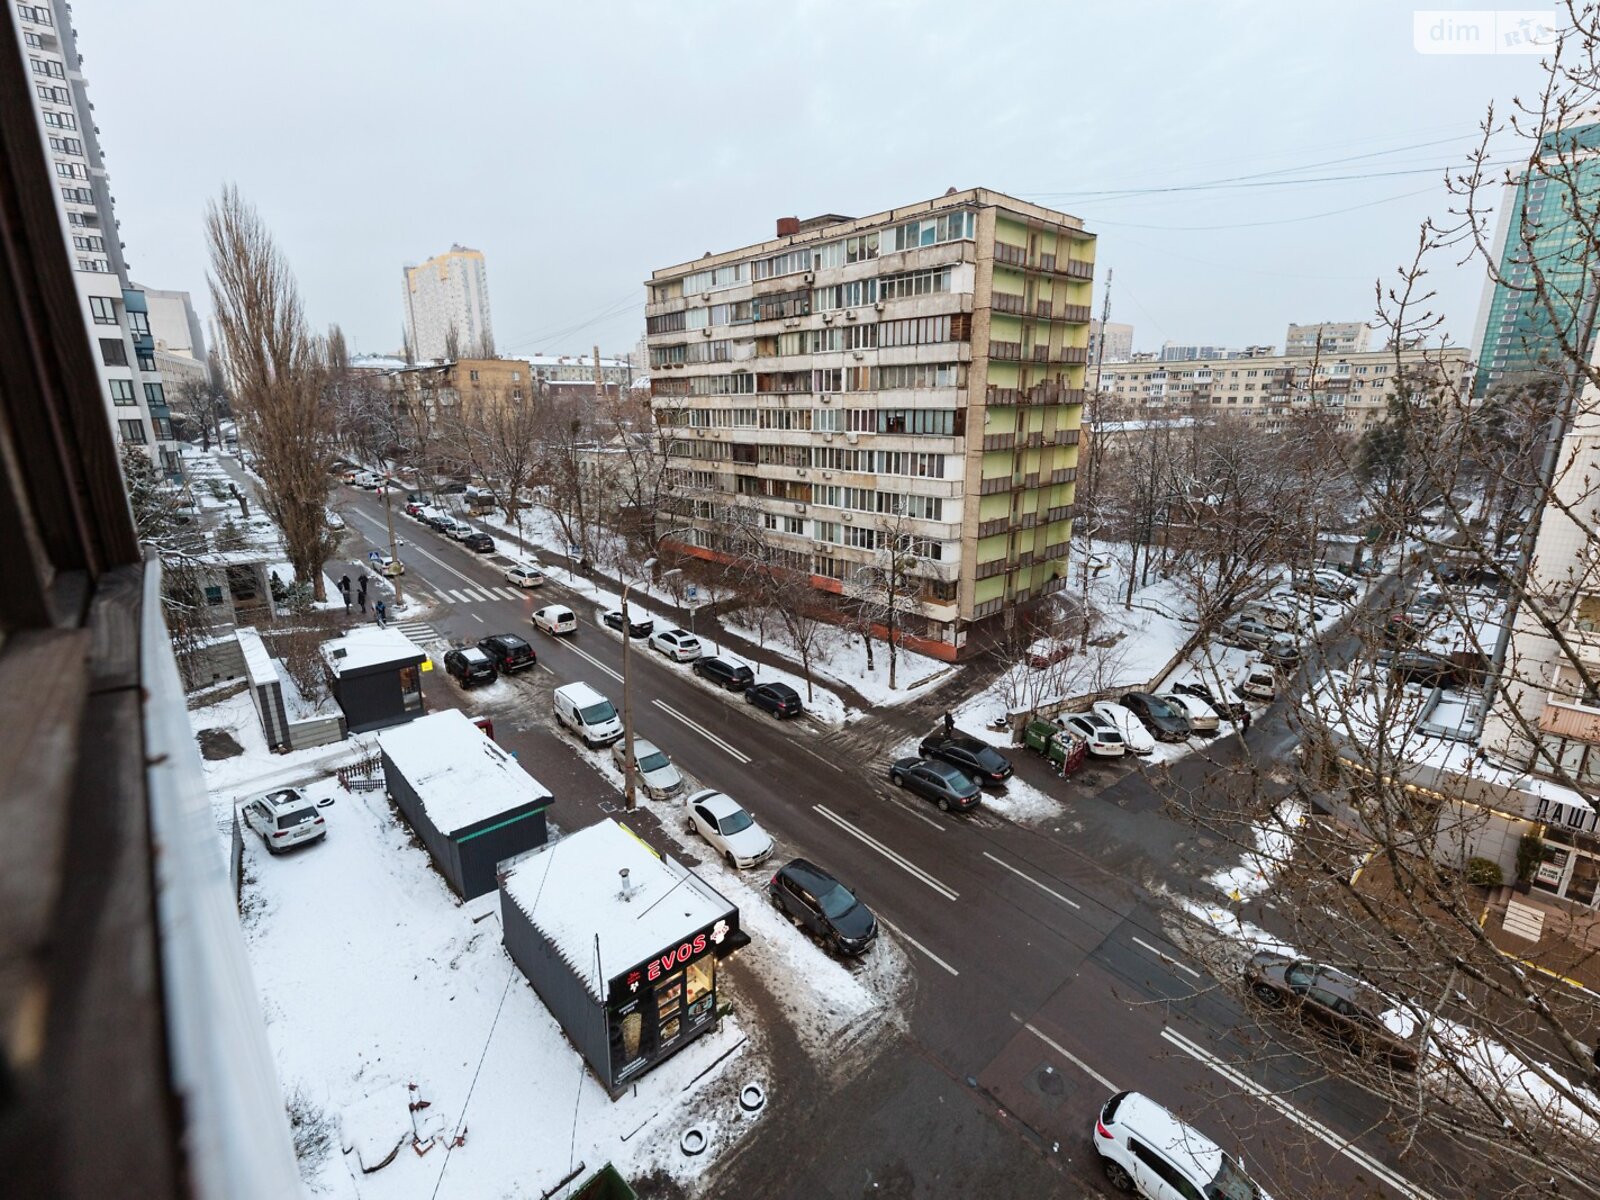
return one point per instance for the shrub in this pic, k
(1529, 851)
(1484, 872)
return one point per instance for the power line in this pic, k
(609, 309)
(1332, 212)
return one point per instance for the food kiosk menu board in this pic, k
(659, 1005)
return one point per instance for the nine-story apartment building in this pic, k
(907, 383)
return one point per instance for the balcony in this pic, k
(1030, 481)
(1570, 711)
(992, 527)
(1077, 269)
(1027, 520)
(1061, 512)
(1076, 313)
(1067, 437)
(988, 570)
(1064, 475)
(1007, 303)
(1043, 308)
(1073, 354)
(1059, 550)
(999, 441)
(1033, 440)
(1011, 256)
(990, 487)
(1005, 351)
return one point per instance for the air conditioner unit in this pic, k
(799, 508)
(827, 474)
(878, 306)
(790, 322)
(851, 315)
(819, 545)
(848, 515)
(706, 332)
(827, 399)
(699, 433)
(811, 276)
(827, 318)
(800, 471)
(859, 356)
(852, 437)
(827, 437)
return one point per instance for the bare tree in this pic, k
(501, 431)
(203, 403)
(276, 371)
(887, 586)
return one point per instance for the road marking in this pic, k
(1032, 880)
(1067, 1054)
(702, 731)
(825, 762)
(586, 655)
(439, 562)
(903, 935)
(904, 807)
(904, 864)
(477, 618)
(1354, 1153)
(1165, 957)
(454, 597)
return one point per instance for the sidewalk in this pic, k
(1566, 941)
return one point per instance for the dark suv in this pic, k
(724, 674)
(979, 759)
(481, 542)
(469, 666)
(821, 904)
(508, 651)
(1344, 1007)
(779, 699)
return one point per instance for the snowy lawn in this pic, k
(841, 657)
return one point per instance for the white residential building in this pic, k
(1331, 337)
(116, 313)
(449, 294)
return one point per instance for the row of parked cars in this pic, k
(417, 507)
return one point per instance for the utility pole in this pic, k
(394, 546)
(1100, 345)
(599, 381)
(629, 768)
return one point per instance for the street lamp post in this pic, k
(629, 766)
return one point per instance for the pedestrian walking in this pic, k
(1244, 723)
(344, 590)
(949, 725)
(379, 610)
(361, 593)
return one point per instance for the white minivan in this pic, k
(588, 714)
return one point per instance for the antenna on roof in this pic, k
(627, 888)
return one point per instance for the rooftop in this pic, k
(571, 893)
(461, 776)
(369, 646)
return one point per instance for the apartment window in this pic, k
(825, 531)
(947, 227)
(66, 145)
(60, 120)
(85, 242)
(146, 361)
(859, 337)
(33, 40)
(132, 432)
(826, 420)
(103, 309)
(516, 377)
(473, 375)
(77, 195)
(788, 263)
(37, 13)
(154, 395)
(113, 353)
(94, 264)
(72, 170)
(140, 323)
(47, 66)
(122, 391)
(55, 95)
(914, 283)
(794, 525)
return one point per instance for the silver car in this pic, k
(659, 778)
(284, 818)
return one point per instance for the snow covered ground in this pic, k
(842, 658)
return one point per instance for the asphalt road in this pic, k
(1044, 978)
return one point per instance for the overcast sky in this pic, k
(580, 146)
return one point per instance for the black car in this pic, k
(481, 542)
(1421, 668)
(439, 521)
(946, 784)
(1285, 655)
(779, 699)
(1234, 710)
(734, 677)
(469, 666)
(821, 904)
(1343, 1006)
(638, 627)
(1159, 717)
(978, 759)
(509, 652)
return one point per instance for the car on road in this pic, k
(480, 542)
(555, 619)
(978, 759)
(729, 829)
(946, 784)
(367, 481)
(656, 774)
(1202, 717)
(736, 677)
(820, 904)
(1146, 1151)
(638, 627)
(677, 644)
(779, 699)
(284, 818)
(388, 565)
(469, 666)
(415, 508)
(587, 713)
(1169, 722)
(1217, 694)
(1103, 738)
(1250, 632)
(1123, 720)
(524, 575)
(509, 652)
(1339, 1004)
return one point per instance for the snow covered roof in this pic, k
(568, 360)
(368, 646)
(461, 776)
(258, 666)
(572, 894)
(376, 362)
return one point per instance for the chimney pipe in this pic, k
(627, 888)
(788, 225)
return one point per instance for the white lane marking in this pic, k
(904, 936)
(477, 618)
(825, 762)
(702, 731)
(904, 864)
(544, 668)
(1354, 1153)
(1165, 957)
(417, 547)
(904, 807)
(591, 658)
(1067, 1054)
(1032, 880)
(453, 597)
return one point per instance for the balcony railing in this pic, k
(1027, 520)
(1067, 437)
(989, 487)
(999, 441)
(1043, 308)
(991, 527)
(1005, 351)
(1060, 512)
(988, 570)
(1077, 313)
(1030, 481)
(1011, 256)
(1064, 475)
(1007, 303)
(1073, 354)
(1077, 269)
(1034, 439)
(1059, 550)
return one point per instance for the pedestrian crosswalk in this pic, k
(479, 594)
(417, 631)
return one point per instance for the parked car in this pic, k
(588, 714)
(818, 902)
(284, 818)
(1260, 682)
(509, 652)
(656, 774)
(1169, 722)
(1250, 632)
(1046, 652)
(458, 531)
(367, 481)
(415, 508)
(437, 519)
(1143, 1148)
(946, 785)
(730, 830)
(480, 542)
(350, 474)
(1281, 619)
(736, 677)
(977, 758)
(388, 565)
(1060, 747)
(638, 627)
(779, 699)
(1338, 1003)
(555, 618)
(677, 644)
(1132, 729)
(469, 666)
(1103, 739)
(1202, 717)
(1216, 693)
(1421, 668)
(524, 576)
(1284, 655)
(333, 520)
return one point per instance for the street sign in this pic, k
(692, 593)
(374, 556)
(574, 551)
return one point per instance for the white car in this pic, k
(555, 618)
(730, 830)
(334, 520)
(677, 644)
(1137, 737)
(1147, 1151)
(459, 530)
(388, 565)
(284, 818)
(659, 778)
(1202, 717)
(1260, 682)
(525, 577)
(1099, 735)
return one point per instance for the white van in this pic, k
(588, 714)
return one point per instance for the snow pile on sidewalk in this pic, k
(841, 657)
(1273, 838)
